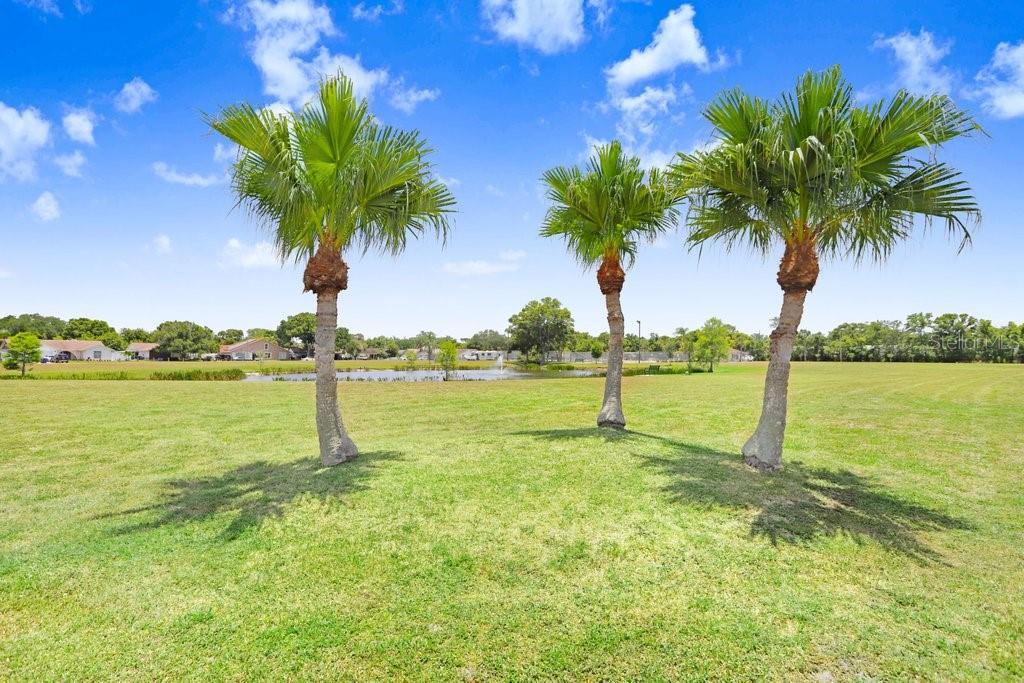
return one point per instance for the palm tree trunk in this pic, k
(611, 410)
(335, 445)
(763, 450)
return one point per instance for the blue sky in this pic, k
(113, 202)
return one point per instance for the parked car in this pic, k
(61, 357)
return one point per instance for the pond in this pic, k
(481, 374)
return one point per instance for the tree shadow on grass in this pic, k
(795, 506)
(253, 492)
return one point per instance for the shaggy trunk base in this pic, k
(610, 278)
(763, 451)
(335, 445)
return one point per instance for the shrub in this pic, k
(225, 374)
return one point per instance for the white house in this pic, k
(254, 349)
(140, 350)
(476, 354)
(79, 349)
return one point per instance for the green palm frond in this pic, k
(331, 175)
(608, 209)
(814, 167)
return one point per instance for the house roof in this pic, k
(229, 348)
(71, 344)
(140, 347)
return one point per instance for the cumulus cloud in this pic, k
(287, 51)
(676, 42)
(508, 261)
(134, 95)
(450, 182)
(237, 254)
(407, 99)
(1001, 82)
(549, 26)
(71, 164)
(918, 59)
(168, 173)
(364, 12)
(223, 153)
(52, 7)
(79, 124)
(46, 208)
(162, 243)
(22, 134)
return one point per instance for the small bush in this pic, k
(222, 375)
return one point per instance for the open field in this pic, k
(182, 530)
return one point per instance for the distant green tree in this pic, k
(24, 348)
(447, 357)
(429, 340)
(301, 326)
(134, 334)
(410, 357)
(488, 340)
(43, 326)
(181, 339)
(540, 327)
(711, 343)
(114, 341)
(260, 333)
(87, 328)
(345, 341)
(230, 336)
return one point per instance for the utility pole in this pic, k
(639, 342)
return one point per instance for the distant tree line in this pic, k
(544, 326)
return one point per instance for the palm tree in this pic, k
(603, 214)
(823, 178)
(328, 180)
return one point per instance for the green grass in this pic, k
(182, 530)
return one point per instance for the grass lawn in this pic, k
(182, 530)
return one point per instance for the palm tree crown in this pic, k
(330, 176)
(606, 212)
(812, 168)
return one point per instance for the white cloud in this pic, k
(508, 261)
(171, 175)
(450, 182)
(79, 124)
(22, 134)
(5, 274)
(223, 153)
(287, 31)
(1002, 82)
(45, 6)
(918, 62)
(549, 26)
(407, 99)
(134, 95)
(162, 243)
(71, 164)
(676, 42)
(494, 190)
(238, 255)
(512, 255)
(639, 111)
(602, 11)
(46, 208)
(364, 12)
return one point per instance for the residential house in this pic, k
(476, 354)
(141, 350)
(78, 349)
(254, 349)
